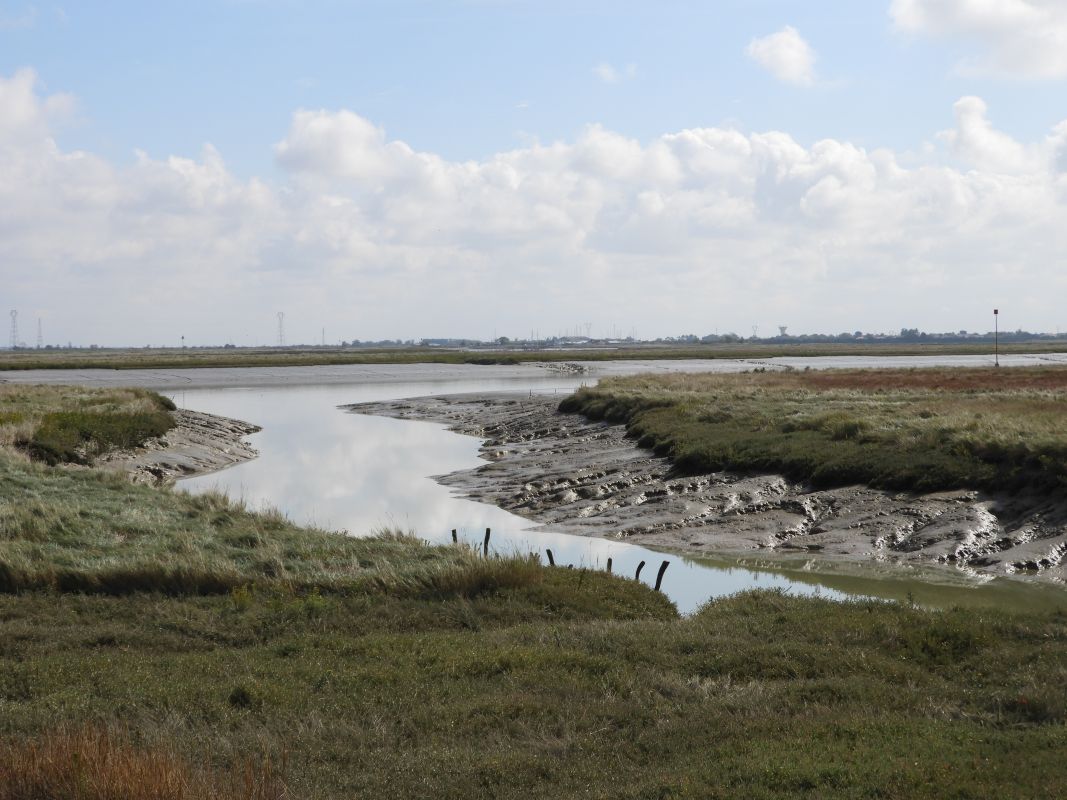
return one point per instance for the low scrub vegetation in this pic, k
(77, 437)
(921, 429)
(68, 424)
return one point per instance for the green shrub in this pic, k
(78, 436)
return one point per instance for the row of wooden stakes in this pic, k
(552, 560)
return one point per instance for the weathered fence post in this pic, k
(551, 560)
(455, 537)
(485, 545)
(659, 575)
(637, 575)
(609, 566)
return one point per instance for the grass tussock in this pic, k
(919, 429)
(95, 764)
(66, 424)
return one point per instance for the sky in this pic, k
(484, 168)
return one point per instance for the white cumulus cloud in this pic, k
(1021, 38)
(694, 230)
(786, 55)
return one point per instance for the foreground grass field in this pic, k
(160, 645)
(172, 358)
(573, 686)
(921, 429)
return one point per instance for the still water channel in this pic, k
(341, 471)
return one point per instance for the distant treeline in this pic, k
(906, 336)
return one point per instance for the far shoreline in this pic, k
(548, 372)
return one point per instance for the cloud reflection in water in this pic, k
(342, 471)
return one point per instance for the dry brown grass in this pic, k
(950, 380)
(95, 764)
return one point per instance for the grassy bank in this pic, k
(142, 358)
(927, 429)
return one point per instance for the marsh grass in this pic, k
(88, 531)
(921, 429)
(556, 690)
(67, 424)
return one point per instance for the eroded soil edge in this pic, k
(199, 444)
(587, 478)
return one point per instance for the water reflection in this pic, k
(345, 471)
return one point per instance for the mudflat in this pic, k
(587, 478)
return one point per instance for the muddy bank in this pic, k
(199, 444)
(587, 478)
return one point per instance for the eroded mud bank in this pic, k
(199, 444)
(587, 478)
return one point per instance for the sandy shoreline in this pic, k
(586, 478)
(198, 445)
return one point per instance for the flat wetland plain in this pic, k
(245, 656)
(189, 358)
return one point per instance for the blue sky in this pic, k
(468, 79)
(470, 82)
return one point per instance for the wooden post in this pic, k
(455, 538)
(659, 575)
(485, 545)
(551, 560)
(609, 566)
(637, 575)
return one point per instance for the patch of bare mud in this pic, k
(581, 477)
(199, 444)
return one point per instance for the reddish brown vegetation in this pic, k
(91, 764)
(1049, 378)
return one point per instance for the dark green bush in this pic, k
(76, 437)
